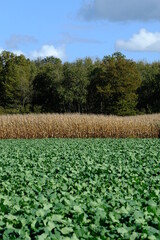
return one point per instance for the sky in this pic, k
(73, 29)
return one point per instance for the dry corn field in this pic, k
(78, 126)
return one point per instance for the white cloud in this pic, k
(44, 51)
(18, 52)
(120, 10)
(142, 41)
(48, 51)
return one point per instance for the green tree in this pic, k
(16, 75)
(1, 83)
(74, 87)
(95, 99)
(149, 91)
(118, 82)
(46, 85)
(25, 71)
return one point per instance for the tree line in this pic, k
(113, 85)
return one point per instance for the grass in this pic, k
(78, 126)
(93, 189)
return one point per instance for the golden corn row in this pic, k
(78, 126)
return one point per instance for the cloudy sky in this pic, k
(81, 28)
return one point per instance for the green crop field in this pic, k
(80, 189)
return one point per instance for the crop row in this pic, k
(90, 189)
(78, 126)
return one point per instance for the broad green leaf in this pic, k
(134, 236)
(122, 230)
(43, 236)
(66, 230)
(57, 218)
(78, 209)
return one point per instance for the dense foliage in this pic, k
(113, 85)
(80, 189)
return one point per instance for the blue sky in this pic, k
(72, 29)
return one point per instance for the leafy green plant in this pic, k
(80, 189)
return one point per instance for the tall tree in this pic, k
(15, 78)
(46, 85)
(118, 82)
(94, 98)
(74, 86)
(149, 91)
